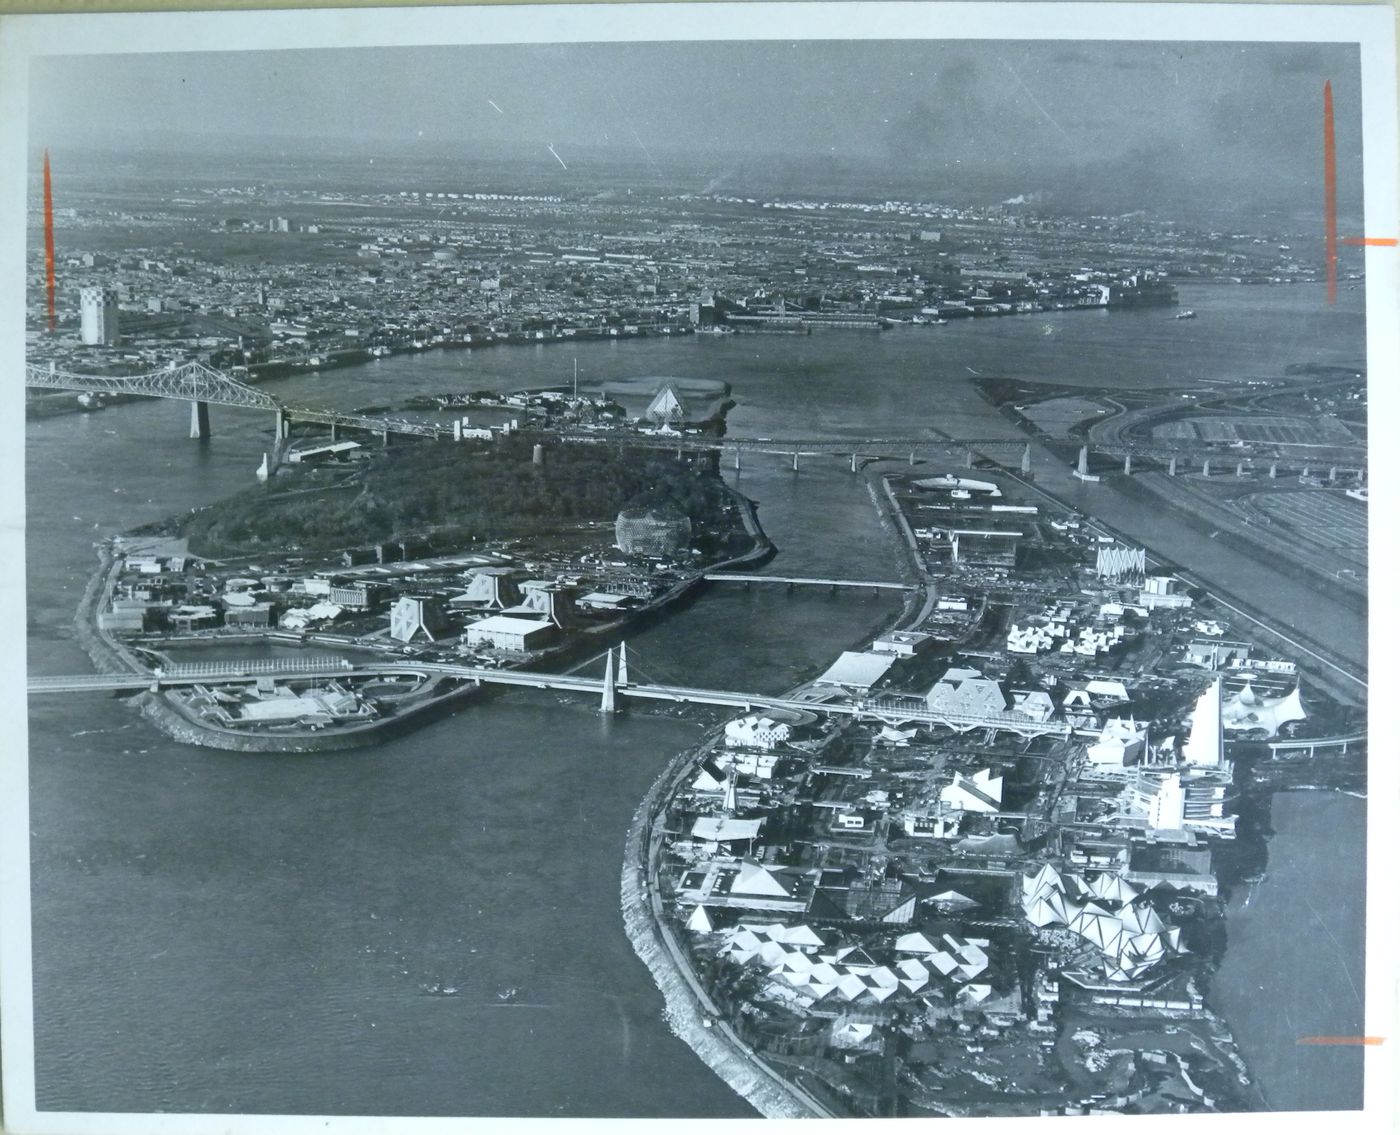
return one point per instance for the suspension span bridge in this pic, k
(890, 708)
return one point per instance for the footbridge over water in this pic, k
(896, 709)
(809, 581)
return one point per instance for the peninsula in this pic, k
(984, 873)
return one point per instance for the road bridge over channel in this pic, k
(203, 386)
(889, 709)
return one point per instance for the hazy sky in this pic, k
(1148, 120)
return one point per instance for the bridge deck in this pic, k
(798, 580)
(897, 709)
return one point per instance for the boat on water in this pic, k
(509, 994)
(1187, 314)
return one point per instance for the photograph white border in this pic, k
(23, 37)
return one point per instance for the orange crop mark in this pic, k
(1371, 241)
(1329, 188)
(49, 274)
(1341, 1040)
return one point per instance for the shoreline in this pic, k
(689, 1012)
(687, 1006)
(109, 655)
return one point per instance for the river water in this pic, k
(234, 933)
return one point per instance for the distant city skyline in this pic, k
(1185, 127)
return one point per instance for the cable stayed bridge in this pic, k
(893, 708)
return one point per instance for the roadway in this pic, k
(894, 709)
(806, 581)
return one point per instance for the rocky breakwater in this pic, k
(690, 1013)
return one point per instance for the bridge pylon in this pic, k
(622, 665)
(609, 703)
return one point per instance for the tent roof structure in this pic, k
(700, 921)
(1248, 710)
(723, 829)
(755, 879)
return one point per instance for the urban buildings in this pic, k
(100, 318)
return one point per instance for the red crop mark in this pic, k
(50, 277)
(1371, 241)
(1371, 1040)
(1329, 187)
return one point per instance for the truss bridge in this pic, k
(203, 386)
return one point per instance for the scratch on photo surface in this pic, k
(1036, 102)
(556, 156)
(1340, 955)
(633, 130)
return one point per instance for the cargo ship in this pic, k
(1137, 291)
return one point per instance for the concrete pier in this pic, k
(199, 420)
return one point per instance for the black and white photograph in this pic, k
(699, 561)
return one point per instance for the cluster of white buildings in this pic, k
(805, 967)
(1056, 629)
(1106, 913)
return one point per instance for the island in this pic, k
(359, 590)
